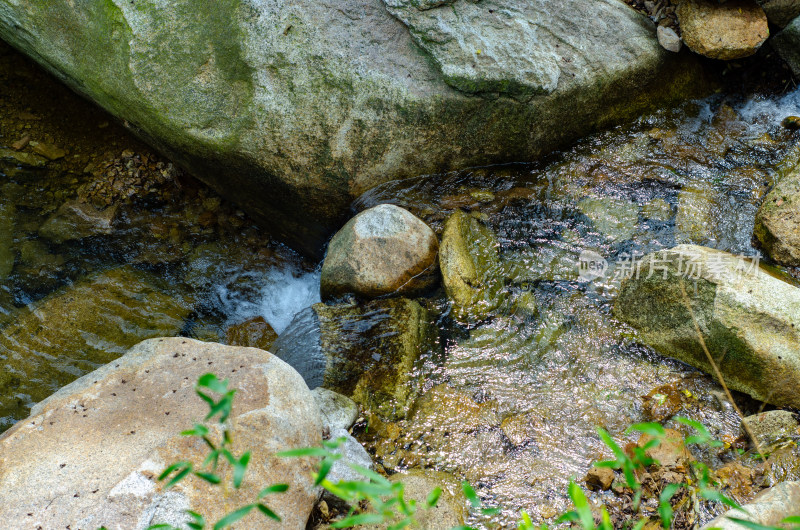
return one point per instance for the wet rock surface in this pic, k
(52, 342)
(777, 225)
(89, 455)
(368, 352)
(747, 319)
(769, 508)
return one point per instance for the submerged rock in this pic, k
(769, 508)
(89, 455)
(255, 333)
(385, 250)
(317, 102)
(614, 218)
(698, 215)
(780, 12)
(7, 255)
(367, 351)
(749, 319)
(787, 43)
(470, 267)
(77, 220)
(728, 30)
(77, 329)
(771, 427)
(777, 225)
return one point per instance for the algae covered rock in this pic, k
(255, 333)
(77, 220)
(89, 455)
(777, 225)
(78, 328)
(787, 43)
(727, 30)
(368, 351)
(293, 108)
(384, 250)
(749, 319)
(470, 267)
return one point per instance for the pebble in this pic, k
(668, 39)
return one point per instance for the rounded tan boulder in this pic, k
(729, 30)
(89, 455)
(385, 250)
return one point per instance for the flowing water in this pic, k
(511, 403)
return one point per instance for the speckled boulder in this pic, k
(89, 455)
(382, 251)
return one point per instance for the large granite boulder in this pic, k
(385, 250)
(777, 225)
(292, 108)
(748, 318)
(368, 351)
(77, 329)
(89, 455)
(787, 43)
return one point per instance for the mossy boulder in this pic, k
(748, 319)
(368, 352)
(787, 43)
(78, 328)
(777, 225)
(471, 269)
(293, 108)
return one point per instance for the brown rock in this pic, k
(88, 455)
(600, 478)
(729, 30)
(671, 452)
(254, 333)
(49, 151)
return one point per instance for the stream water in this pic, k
(510, 404)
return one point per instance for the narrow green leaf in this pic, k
(177, 465)
(652, 428)
(275, 488)
(368, 473)
(433, 497)
(751, 525)
(233, 517)
(269, 513)
(470, 494)
(714, 495)
(305, 451)
(363, 518)
(324, 468)
(208, 477)
(211, 382)
(581, 505)
(239, 469)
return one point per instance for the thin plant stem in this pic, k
(687, 302)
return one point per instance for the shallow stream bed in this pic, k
(108, 244)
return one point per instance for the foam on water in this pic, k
(282, 293)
